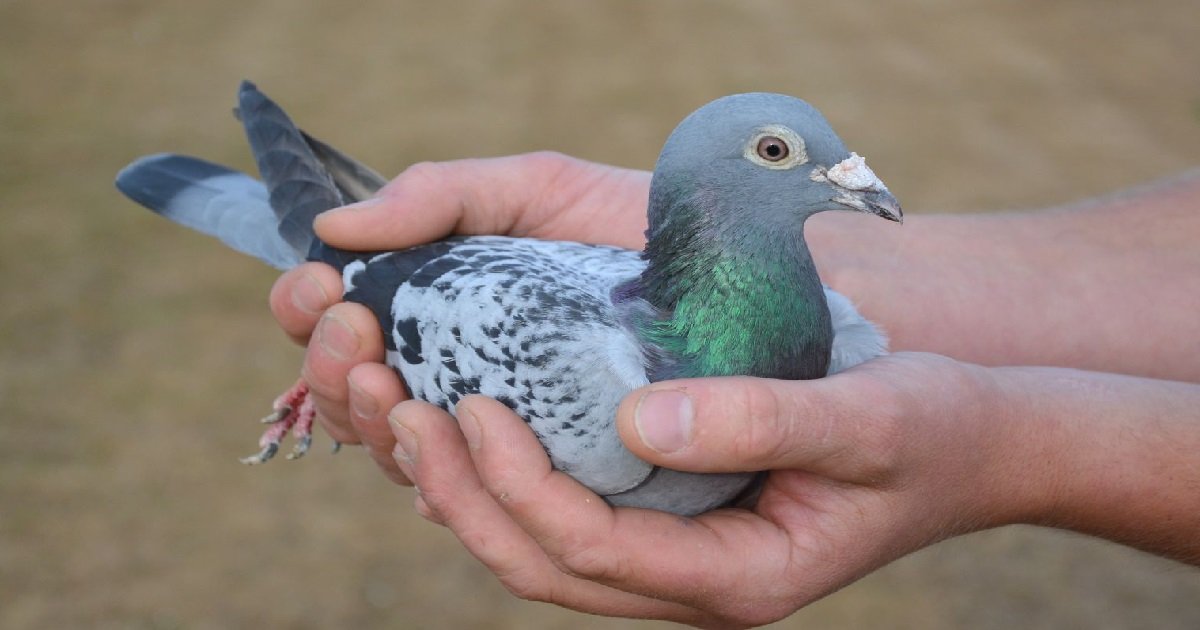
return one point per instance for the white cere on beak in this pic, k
(853, 173)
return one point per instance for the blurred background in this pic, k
(135, 356)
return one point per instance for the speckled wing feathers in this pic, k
(532, 324)
(527, 322)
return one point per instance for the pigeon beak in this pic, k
(881, 204)
(858, 188)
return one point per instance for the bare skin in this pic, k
(868, 465)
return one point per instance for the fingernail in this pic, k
(404, 463)
(337, 338)
(426, 512)
(309, 296)
(663, 420)
(407, 446)
(469, 425)
(361, 403)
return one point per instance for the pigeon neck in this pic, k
(739, 300)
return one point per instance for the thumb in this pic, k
(837, 426)
(431, 200)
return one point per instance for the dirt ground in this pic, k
(135, 356)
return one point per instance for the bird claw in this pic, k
(301, 447)
(277, 415)
(292, 411)
(262, 456)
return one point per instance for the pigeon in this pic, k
(561, 331)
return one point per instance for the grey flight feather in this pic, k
(355, 181)
(544, 327)
(210, 199)
(301, 187)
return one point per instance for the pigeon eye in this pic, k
(775, 147)
(772, 149)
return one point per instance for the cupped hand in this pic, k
(867, 466)
(542, 195)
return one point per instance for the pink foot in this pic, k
(292, 411)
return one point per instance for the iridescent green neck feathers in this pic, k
(732, 297)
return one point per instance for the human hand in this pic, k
(867, 466)
(542, 195)
(967, 453)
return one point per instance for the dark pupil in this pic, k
(772, 149)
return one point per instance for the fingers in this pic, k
(374, 389)
(346, 335)
(431, 200)
(545, 194)
(693, 562)
(843, 426)
(301, 295)
(436, 453)
(549, 538)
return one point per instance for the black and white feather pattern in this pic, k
(533, 324)
(530, 323)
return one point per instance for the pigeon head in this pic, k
(766, 160)
(734, 285)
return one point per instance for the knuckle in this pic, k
(885, 418)
(524, 583)
(587, 561)
(764, 433)
(540, 160)
(878, 426)
(421, 173)
(524, 578)
(552, 175)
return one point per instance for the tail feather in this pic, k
(272, 219)
(300, 186)
(355, 180)
(211, 199)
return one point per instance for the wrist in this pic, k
(1000, 463)
(1105, 455)
(959, 445)
(1025, 444)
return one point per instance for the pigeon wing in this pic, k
(530, 323)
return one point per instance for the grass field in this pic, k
(135, 356)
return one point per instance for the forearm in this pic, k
(1111, 456)
(1110, 285)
